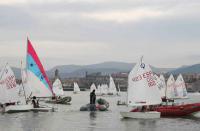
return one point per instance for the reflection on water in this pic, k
(93, 116)
(69, 118)
(149, 125)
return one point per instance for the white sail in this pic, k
(105, 89)
(24, 86)
(98, 91)
(119, 91)
(112, 88)
(8, 87)
(181, 88)
(93, 87)
(76, 87)
(142, 88)
(57, 88)
(171, 91)
(101, 89)
(160, 85)
(163, 90)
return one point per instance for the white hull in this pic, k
(141, 115)
(18, 108)
(43, 109)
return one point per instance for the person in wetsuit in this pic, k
(35, 102)
(92, 97)
(92, 101)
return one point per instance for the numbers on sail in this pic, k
(148, 76)
(9, 81)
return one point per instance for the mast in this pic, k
(23, 84)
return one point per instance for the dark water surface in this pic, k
(69, 118)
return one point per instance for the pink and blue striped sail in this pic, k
(35, 67)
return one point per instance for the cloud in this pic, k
(121, 16)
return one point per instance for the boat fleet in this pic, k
(151, 98)
(148, 94)
(104, 89)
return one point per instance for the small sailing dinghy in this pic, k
(37, 79)
(93, 87)
(181, 88)
(98, 91)
(119, 91)
(9, 93)
(59, 94)
(160, 81)
(104, 89)
(171, 91)
(112, 88)
(142, 92)
(76, 88)
(176, 90)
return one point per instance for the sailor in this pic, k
(144, 108)
(92, 101)
(92, 97)
(35, 103)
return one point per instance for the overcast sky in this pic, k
(165, 32)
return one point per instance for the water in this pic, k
(69, 118)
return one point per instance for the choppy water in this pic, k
(69, 118)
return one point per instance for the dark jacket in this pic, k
(92, 98)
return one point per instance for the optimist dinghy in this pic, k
(9, 95)
(142, 91)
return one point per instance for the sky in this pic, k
(165, 32)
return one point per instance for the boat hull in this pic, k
(178, 110)
(43, 109)
(65, 101)
(121, 103)
(141, 115)
(18, 108)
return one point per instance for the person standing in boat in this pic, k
(92, 97)
(92, 101)
(35, 102)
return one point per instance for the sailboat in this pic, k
(9, 92)
(164, 86)
(112, 88)
(76, 88)
(181, 88)
(161, 85)
(59, 94)
(119, 91)
(103, 89)
(37, 79)
(57, 88)
(142, 92)
(172, 92)
(93, 87)
(98, 91)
